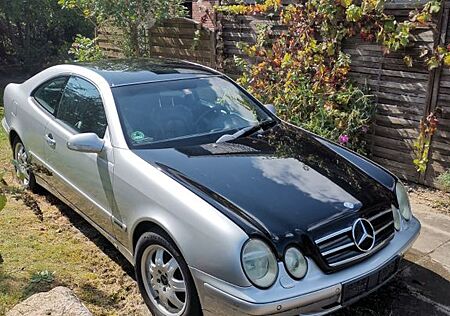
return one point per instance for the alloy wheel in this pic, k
(22, 168)
(164, 281)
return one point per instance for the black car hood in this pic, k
(283, 181)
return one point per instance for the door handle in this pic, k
(50, 141)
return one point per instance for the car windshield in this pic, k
(185, 111)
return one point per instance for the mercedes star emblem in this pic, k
(363, 234)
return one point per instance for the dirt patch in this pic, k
(438, 200)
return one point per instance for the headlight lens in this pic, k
(259, 263)
(403, 201)
(295, 263)
(396, 214)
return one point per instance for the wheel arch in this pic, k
(12, 136)
(148, 225)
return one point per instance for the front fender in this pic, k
(207, 239)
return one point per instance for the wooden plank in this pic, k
(396, 133)
(437, 156)
(395, 86)
(405, 98)
(159, 30)
(391, 73)
(178, 52)
(394, 155)
(203, 44)
(443, 146)
(394, 144)
(390, 121)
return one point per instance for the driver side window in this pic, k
(81, 107)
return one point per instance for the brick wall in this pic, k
(202, 11)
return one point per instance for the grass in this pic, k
(444, 181)
(60, 249)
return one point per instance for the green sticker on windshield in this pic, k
(137, 136)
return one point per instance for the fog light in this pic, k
(295, 263)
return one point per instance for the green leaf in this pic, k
(353, 13)
(435, 7)
(432, 63)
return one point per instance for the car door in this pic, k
(35, 117)
(81, 178)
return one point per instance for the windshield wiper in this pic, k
(243, 131)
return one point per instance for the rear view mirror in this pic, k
(86, 143)
(271, 108)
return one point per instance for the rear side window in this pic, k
(81, 107)
(49, 94)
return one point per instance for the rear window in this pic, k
(49, 94)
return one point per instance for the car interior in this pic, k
(156, 112)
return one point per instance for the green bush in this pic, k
(306, 79)
(444, 181)
(85, 49)
(35, 33)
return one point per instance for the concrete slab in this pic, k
(429, 218)
(442, 255)
(430, 239)
(435, 229)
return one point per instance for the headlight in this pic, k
(295, 263)
(403, 201)
(259, 263)
(396, 214)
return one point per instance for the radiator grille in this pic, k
(338, 248)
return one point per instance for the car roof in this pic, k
(122, 72)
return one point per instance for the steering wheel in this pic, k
(205, 115)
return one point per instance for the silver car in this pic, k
(222, 208)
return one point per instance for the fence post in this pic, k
(433, 87)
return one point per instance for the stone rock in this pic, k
(60, 301)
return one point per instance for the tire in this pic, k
(21, 165)
(162, 274)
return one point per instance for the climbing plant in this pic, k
(304, 71)
(421, 145)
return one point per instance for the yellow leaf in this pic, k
(346, 3)
(408, 60)
(447, 59)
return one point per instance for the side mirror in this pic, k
(271, 108)
(86, 143)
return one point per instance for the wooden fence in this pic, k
(175, 38)
(404, 95)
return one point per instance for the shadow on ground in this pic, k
(90, 232)
(416, 290)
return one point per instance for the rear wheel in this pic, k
(22, 166)
(164, 278)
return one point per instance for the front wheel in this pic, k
(164, 278)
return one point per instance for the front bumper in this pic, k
(317, 294)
